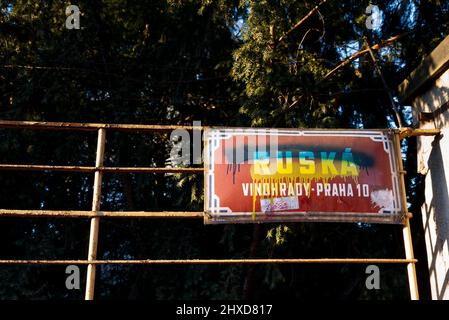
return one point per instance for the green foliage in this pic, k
(278, 234)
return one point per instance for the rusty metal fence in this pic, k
(96, 214)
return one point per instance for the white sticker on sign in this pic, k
(279, 204)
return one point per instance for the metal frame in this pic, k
(95, 214)
(219, 215)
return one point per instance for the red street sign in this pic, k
(273, 175)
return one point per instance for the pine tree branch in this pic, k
(362, 52)
(384, 82)
(300, 22)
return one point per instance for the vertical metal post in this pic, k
(411, 269)
(95, 222)
(407, 235)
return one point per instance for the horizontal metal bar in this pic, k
(103, 214)
(76, 126)
(91, 126)
(36, 167)
(340, 217)
(150, 170)
(217, 261)
(410, 132)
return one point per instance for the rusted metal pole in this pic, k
(407, 235)
(103, 214)
(91, 126)
(95, 222)
(38, 167)
(410, 132)
(73, 126)
(411, 268)
(217, 261)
